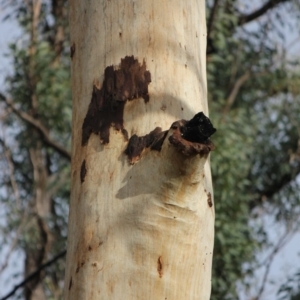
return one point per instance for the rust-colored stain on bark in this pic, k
(209, 200)
(130, 81)
(72, 50)
(160, 267)
(136, 145)
(83, 171)
(70, 283)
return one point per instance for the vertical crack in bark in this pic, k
(70, 283)
(130, 81)
(160, 267)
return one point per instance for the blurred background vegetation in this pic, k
(253, 58)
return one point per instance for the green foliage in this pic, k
(253, 96)
(231, 164)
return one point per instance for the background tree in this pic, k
(253, 85)
(35, 140)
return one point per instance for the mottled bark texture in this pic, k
(141, 211)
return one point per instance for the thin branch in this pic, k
(238, 84)
(15, 188)
(17, 165)
(40, 127)
(273, 189)
(243, 19)
(14, 242)
(269, 261)
(11, 167)
(210, 45)
(211, 18)
(34, 274)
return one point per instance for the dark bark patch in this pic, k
(160, 267)
(136, 144)
(72, 50)
(83, 171)
(130, 81)
(209, 200)
(79, 265)
(158, 141)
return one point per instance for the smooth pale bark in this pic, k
(142, 231)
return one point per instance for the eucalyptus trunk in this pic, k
(141, 212)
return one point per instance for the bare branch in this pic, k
(211, 18)
(14, 242)
(34, 274)
(15, 188)
(210, 46)
(273, 189)
(238, 84)
(285, 238)
(40, 127)
(11, 167)
(243, 19)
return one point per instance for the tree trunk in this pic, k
(141, 216)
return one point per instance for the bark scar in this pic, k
(188, 137)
